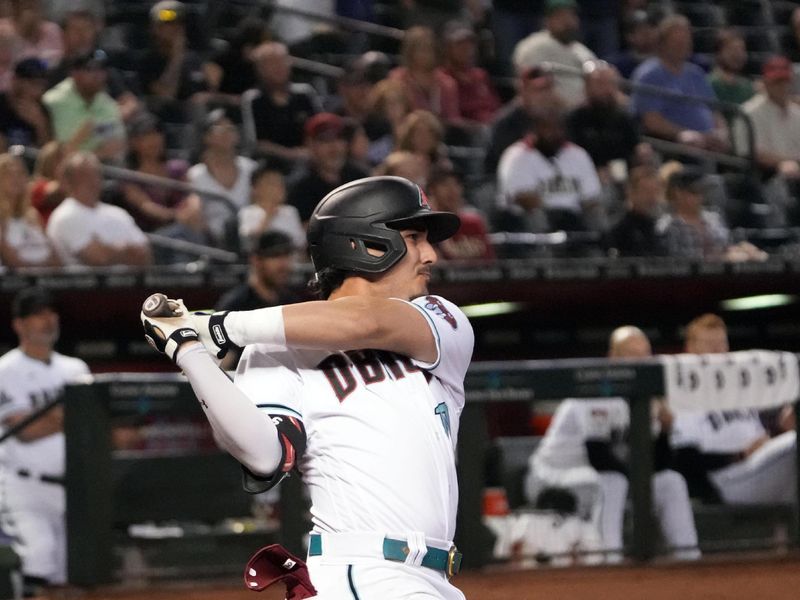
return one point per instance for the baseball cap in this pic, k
(687, 178)
(30, 301)
(777, 68)
(554, 5)
(168, 11)
(273, 243)
(30, 68)
(142, 124)
(324, 126)
(94, 59)
(456, 31)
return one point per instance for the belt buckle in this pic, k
(453, 561)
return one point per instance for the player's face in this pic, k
(708, 341)
(409, 278)
(39, 329)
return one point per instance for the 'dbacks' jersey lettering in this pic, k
(381, 428)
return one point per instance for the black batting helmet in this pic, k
(368, 213)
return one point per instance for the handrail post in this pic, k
(641, 474)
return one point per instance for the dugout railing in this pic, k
(199, 489)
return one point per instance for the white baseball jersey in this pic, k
(563, 182)
(577, 421)
(381, 428)
(728, 431)
(33, 509)
(26, 384)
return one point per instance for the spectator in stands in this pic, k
(268, 210)
(535, 91)
(602, 126)
(35, 36)
(327, 168)
(274, 115)
(446, 192)
(557, 43)
(271, 261)
(690, 230)
(232, 71)
(81, 29)
(47, 190)
(23, 242)
(641, 36)
(776, 122)
(730, 58)
(223, 172)
(729, 457)
(155, 208)
(676, 119)
(86, 231)
(7, 58)
(83, 113)
(402, 163)
(584, 452)
(426, 83)
(389, 106)
(173, 77)
(546, 183)
(357, 144)
(635, 233)
(353, 89)
(477, 99)
(422, 133)
(23, 117)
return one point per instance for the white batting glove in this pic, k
(212, 332)
(167, 325)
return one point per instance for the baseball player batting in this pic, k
(32, 375)
(585, 451)
(361, 392)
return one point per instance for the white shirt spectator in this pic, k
(541, 47)
(286, 220)
(563, 182)
(28, 240)
(73, 226)
(216, 213)
(776, 130)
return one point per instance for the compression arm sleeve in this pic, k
(695, 466)
(240, 427)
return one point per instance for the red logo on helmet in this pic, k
(423, 199)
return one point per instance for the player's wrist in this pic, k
(260, 326)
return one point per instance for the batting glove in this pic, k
(167, 325)
(211, 328)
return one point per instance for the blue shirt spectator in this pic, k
(690, 80)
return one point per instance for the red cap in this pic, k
(324, 126)
(777, 68)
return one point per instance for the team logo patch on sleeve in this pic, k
(433, 304)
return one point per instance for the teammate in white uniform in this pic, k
(32, 492)
(362, 392)
(728, 456)
(585, 451)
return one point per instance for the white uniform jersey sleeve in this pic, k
(270, 379)
(454, 340)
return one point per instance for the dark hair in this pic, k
(326, 281)
(725, 36)
(264, 167)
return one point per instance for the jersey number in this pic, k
(372, 366)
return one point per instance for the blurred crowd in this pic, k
(625, 124)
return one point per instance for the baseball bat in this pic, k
(157, 305)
